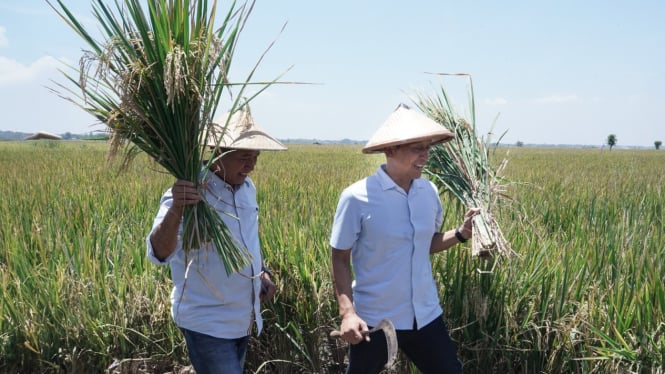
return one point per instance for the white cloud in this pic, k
(557, 99)
(12, 71)
(4, 42)
(27, 104)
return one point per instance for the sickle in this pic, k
(391, 338)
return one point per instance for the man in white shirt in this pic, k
(215, 311)
(385, 228)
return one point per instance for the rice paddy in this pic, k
(584, 295)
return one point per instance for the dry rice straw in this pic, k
(462, 167)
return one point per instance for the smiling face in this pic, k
(406, 162)
(235, 165)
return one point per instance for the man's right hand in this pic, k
(353, 329)
(184, 193)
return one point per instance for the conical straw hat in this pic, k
(406, 125)
(242, 132)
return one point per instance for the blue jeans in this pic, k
(210, 355)
(430, 349)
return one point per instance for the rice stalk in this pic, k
(462, 167)
(155, 80)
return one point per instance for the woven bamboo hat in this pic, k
(406, 125)
(242, 132)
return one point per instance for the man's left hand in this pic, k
(268, 288)
(467, 227)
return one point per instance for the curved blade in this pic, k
(391, 339)
(388, 329)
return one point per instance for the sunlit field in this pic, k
(584, 295)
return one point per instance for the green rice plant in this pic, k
(76, 288)
(77, 293)
(599, 232)
(155, 80)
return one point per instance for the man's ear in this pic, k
(390, 151)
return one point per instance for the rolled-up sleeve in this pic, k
(164, 205)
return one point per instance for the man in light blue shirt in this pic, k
(215, 311)
(385, 228)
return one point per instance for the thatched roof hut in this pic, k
(43, 135)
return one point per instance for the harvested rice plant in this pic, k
(584, 294)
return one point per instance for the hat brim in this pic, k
(240, 132)
(435, 139)
(254, 140)
(403, 126)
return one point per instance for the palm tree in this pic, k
(611, 140)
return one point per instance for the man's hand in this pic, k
(268, 288)
(184, 193)
(352, 329)
(467, 227)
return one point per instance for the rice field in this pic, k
(585, 294)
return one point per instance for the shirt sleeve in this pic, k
(164, 206)
(439, 208)
(346, 225)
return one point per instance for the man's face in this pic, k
(410, 159)
(235, 165)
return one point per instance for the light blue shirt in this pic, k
(389, 233)
(204, 299)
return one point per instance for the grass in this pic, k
(585, 294)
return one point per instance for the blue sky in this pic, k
(560, 72)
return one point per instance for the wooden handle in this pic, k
(338, 334)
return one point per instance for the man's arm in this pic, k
(351, 325)
(445, 240)
(165, 236)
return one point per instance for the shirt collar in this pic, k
(387, 183)
(216, 179)
(384, 179)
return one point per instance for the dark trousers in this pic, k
(430, 349)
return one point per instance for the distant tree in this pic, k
(611, 140)
(67, 135)
(519, 143)
(657, 144)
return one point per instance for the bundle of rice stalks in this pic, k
(462, 167)
(155, 81)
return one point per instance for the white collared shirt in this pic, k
(204, 299)
(389, 233)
